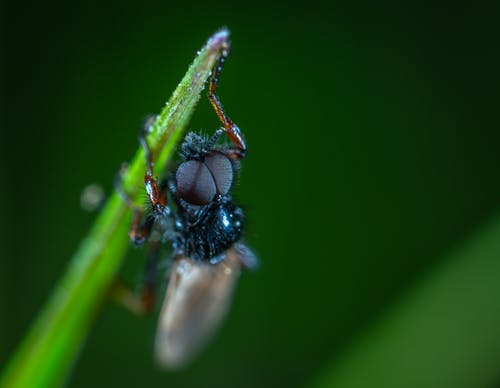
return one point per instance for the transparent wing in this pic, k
(197, 298)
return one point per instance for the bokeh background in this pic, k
(373, 158)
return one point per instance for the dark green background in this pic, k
(373, 143)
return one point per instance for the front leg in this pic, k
(232, 130)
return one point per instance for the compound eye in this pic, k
(222, 171)
(195, 183)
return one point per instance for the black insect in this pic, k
(193, 211)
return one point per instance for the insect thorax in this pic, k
(204, 233)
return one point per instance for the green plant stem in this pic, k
(51, 346)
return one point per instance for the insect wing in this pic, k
(197, 298)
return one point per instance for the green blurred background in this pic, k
(373, 143)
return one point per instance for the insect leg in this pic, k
(139, 229)
(149, 280)
(157, 192)
(143, 302)
(229, 127)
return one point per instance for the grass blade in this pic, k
(46, 354)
